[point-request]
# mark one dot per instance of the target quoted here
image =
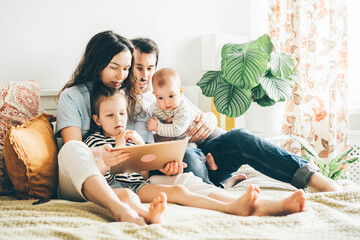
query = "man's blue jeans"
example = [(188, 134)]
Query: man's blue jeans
[(237, 147)]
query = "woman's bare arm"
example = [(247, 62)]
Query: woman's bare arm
[(71, 133)]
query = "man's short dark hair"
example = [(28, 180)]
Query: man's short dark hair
[(146, 45)]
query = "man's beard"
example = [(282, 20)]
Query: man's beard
[(146, 88)]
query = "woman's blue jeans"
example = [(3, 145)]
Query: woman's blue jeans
[(237, 147)]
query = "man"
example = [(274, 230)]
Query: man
[(234, 148), (146, 57)]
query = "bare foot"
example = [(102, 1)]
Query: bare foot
[(233, 180), (211, 162), (244, 205), (126, 214), (157, 207), (323, 184), (293, 204)]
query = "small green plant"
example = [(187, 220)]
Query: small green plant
[(335, 168)]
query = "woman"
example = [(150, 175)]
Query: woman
[(107, 58)]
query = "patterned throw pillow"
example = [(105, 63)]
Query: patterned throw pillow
[(19, 102)]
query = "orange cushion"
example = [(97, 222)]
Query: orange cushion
[(31, 158)]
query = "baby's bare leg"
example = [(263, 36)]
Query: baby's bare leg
[(292, 204), (231, 181), (211, 162)]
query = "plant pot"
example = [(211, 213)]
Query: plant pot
[(265, 120)]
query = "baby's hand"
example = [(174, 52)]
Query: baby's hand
[(152, 124), (170, 119)]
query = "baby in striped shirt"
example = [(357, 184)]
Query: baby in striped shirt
[(173, 114)]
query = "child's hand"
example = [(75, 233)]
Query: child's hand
[(120, 139), (134, 137), (113, 157), (173, 168), (152, 124)]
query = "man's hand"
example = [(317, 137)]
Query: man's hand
[(205, 125), (152, 124), (173, 168)]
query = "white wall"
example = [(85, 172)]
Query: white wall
[(45, 39)]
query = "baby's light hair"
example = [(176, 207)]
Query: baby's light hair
[(164, 76)]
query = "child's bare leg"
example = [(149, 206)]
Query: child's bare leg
[(292, 204), (224, 196), (242, 206), (96, 189), (151, 215)]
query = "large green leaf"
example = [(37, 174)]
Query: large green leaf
[(230, 100), (258, 92), (282, 65), (278, 89), (265, 43), (208, 83), (265, 101), (243, 64)]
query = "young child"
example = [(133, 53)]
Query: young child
[(110, 115)]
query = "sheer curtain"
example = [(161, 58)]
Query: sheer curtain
[(315, 33)]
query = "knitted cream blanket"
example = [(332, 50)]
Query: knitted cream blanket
[(328, 216)]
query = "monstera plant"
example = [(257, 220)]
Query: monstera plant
[(249, 72)]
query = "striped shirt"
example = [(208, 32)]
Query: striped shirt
[(97, 139), (183, 117)]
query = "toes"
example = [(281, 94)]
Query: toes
[(163, 197), (140, 221)]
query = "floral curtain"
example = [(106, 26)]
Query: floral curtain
[(315, 33)]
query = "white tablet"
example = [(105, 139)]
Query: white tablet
[(151, 156)]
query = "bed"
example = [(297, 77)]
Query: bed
[(333, 215), (327, 216)]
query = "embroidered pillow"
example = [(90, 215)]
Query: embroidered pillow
[(19, 102)]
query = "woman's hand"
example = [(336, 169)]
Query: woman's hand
[(205, 125), (173, 168)]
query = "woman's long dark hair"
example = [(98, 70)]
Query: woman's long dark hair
[(98, 53)]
